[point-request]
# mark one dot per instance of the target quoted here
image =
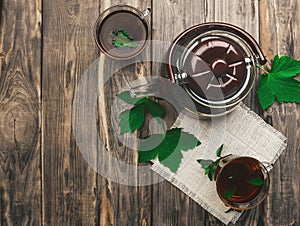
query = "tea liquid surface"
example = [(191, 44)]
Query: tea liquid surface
[(238, 177), (122, 20)]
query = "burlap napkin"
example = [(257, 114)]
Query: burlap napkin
[(243, 133)]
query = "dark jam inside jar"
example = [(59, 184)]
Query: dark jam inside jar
[(216, 69), (127, 21)]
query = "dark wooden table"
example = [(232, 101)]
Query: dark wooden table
[(45, 47)]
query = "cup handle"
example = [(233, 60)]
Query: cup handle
[(145, 13), (269, 166)]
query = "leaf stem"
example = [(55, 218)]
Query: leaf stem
[(261, 68)]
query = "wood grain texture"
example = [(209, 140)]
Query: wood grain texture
[(45, 48), (120, 204), (170, 18), (20, 172), (244, 14), (282, 19), (68, 50), (176, 14)]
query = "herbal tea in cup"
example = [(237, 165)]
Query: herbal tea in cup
[(242, 182), (121, 31)]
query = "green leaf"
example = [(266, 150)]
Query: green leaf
[(228, 193), (279, 83), (124, 33), (126, 96), (132, 119), (121, 43), (207, 170), (147, 148), (121, 39), (209, 165), (219, 151), (173, 161), (205, 163), (256, 181), (154, 108), (285, 66), (169, 148), (212, 170)]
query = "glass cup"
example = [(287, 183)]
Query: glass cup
[(242, 182), (121, 32)]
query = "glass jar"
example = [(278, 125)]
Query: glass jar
[(215, 63)]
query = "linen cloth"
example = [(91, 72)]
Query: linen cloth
[(242, 132)]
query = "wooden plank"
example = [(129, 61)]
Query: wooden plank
[(282, 18), (170, 18), (170, 205), (20, 172), (68, 50), (179, 15), (244, 14), (121, 204)]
